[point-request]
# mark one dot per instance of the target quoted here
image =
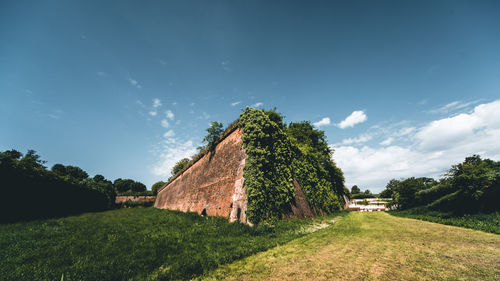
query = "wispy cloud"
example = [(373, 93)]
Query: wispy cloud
[(354, 118), (387, 141), (169, 114), (323, 122), (101, 74), (256, 105), (204, 115), (453, 106), (358, 140), (169, 134), (134, 83), (235, 103), (164, 123), (156, 102), (170, 151)]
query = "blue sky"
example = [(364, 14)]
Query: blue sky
[(126, 88)]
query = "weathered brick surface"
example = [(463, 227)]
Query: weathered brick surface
[(209, 185), (120, 199)]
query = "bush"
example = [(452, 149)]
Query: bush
[(33, 192)]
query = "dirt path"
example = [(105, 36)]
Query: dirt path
[(375, 246)]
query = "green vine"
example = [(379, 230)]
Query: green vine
[(275, 158)]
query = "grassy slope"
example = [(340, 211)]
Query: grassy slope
[(375, 246), (484, 222), (136, 244)]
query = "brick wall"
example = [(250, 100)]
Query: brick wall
[(213, 185)]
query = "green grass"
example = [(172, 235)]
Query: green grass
[(375, 246), (133, 244), (483, 222)]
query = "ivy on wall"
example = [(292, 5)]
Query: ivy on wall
[(276, 155)]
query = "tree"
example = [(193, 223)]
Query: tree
[(157, 186), (76, 173), (123, 185), (32, 161), (389, 188), (404, 193), (99, 178), (276, 117), (368, 192), (137, 187), (355, 190), (73, 172), (214, 132), (179, 166)]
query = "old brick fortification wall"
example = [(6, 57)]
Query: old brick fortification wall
[(213, 185), (139, 198)]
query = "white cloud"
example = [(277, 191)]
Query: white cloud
[(169, 134), (164, 123), (204, 115), (153, 113), (134, 83), (259, 104), (387, 141), (358, 140), (170, 152), (156, 103), (405, 131), (169, 114), (433, 148), (323, 122), (356, 117), (453, 106), (235, 103)]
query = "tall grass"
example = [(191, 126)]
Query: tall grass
[(132, 244), (483, 222)]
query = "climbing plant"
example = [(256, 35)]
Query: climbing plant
[(278, 154)]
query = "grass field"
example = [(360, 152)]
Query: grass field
[(134, 244), (375, 246), (484, 222)]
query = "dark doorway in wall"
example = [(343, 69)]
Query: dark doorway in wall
[(238, 215), (204, 212)]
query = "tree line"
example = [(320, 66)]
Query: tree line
[(33, 191), (472, 186)]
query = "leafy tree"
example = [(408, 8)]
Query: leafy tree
[(72, 172), (99, 178), (355, 190), (179, 166), (157, 186), (76, 173), (389, 188), (275, 117), (368, 192), (404, 192), (122, 185), (137, 187), (32, 161), (213, 133)]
